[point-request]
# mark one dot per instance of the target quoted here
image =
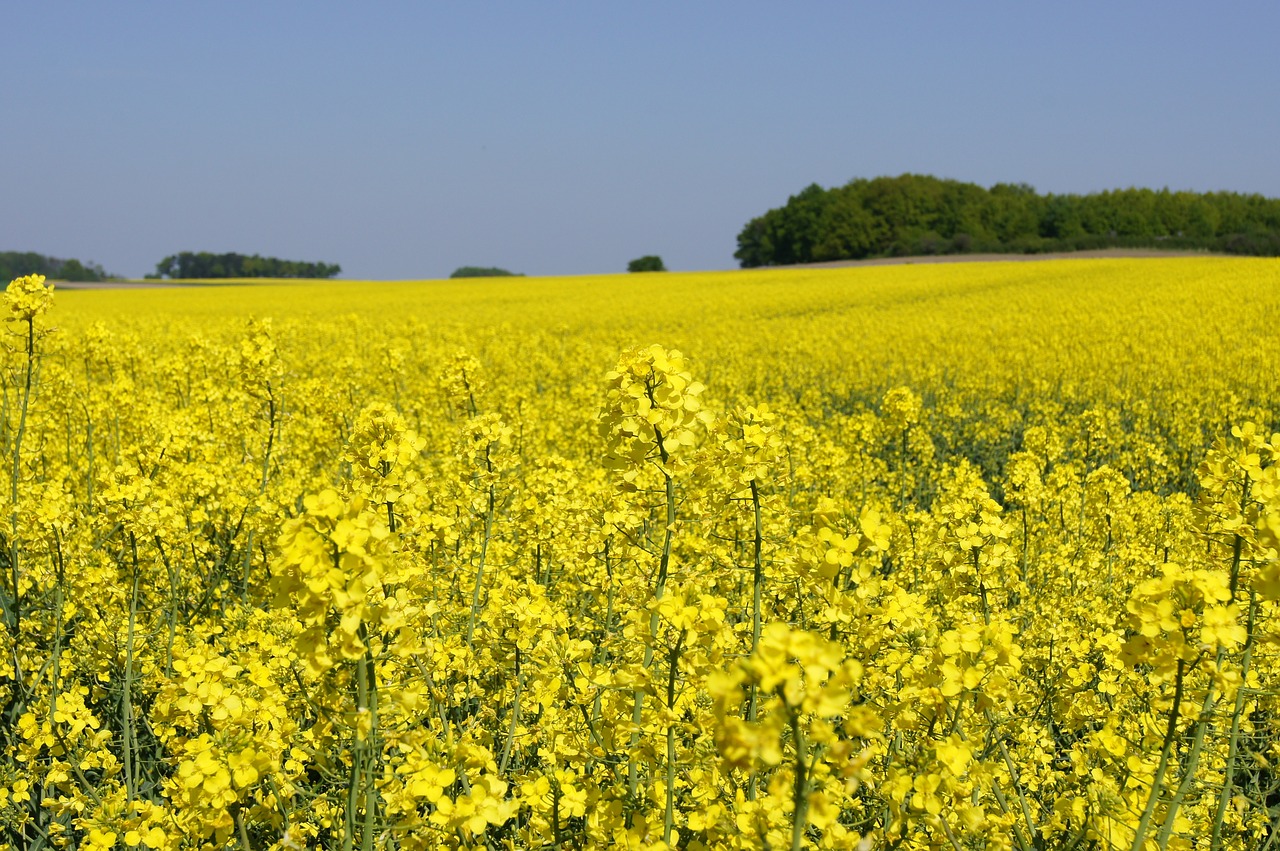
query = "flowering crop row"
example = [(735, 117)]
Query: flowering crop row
[(954, 557)]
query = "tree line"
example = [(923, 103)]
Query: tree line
[(484, 272), (16, 264), (188, 264), (920, 214)]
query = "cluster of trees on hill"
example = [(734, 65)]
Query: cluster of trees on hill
[(189, 264), (647, 263), (920, 214), (483, 272), (15, 264)]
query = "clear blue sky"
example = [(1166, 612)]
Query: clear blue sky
[(404, 139)]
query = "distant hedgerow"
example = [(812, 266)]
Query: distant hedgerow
[(483, 272), (187, 264)]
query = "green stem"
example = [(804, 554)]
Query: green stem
[(659, 589), (1171, 734), (60, 568), (349, 817), (757, 591), (373, 749), (1026, 547), (1021, 841), (800, 790), (247, 567), (949, 834), (668, 817), (757, 578), (243, 832), (1215, 841), (14, 611), (1003, 803), (88, 473), (1238, 544), (608, 620), (1192, 762), (1204, 721), (128, 739), (515, 720), (484, 551)]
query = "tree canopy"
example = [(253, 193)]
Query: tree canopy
[(187, 264), (920, 214), (647, 263), (483, 272), (15, 264)]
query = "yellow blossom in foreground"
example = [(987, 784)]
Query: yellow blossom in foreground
[(956, 556)]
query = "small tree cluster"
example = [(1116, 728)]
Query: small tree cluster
[(647, 263), (187, 264), (16, 264), (483, 272)]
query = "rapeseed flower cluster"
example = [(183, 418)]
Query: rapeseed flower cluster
[(953, 557)]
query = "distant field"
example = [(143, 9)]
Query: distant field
[(1106, 253), (917, 556)]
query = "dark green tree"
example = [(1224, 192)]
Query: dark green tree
[(15, 264), (647, 263), (920, 214), (187, 264), (483, 272)]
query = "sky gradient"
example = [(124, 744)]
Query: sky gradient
[(405, 139)]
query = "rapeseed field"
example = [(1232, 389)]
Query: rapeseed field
[(921, 557)]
